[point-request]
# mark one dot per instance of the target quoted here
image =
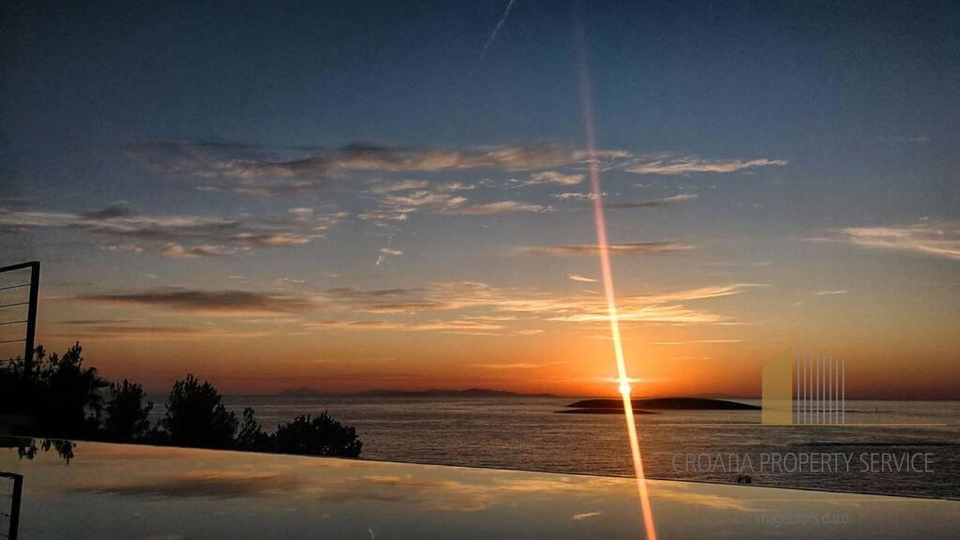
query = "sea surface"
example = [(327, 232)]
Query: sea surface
[(526, 433)]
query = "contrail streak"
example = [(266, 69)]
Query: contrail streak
[(587, 107), (493, 35)]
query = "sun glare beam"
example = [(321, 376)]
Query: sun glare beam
[(607, 274)]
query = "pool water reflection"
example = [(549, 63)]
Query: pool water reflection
[(143, 492)]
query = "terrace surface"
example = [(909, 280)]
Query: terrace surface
[(152, 493)]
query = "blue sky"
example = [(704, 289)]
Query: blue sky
[(316, 155)]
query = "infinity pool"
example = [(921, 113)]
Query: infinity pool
[(111, 491)]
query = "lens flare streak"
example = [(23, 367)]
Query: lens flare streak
[(623, 379)]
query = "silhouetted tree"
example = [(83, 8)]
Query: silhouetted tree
[(251, 435), (73, 403), (65, 400), (317, 436), (16, 395), (62, 395), (196, 416), (127, 417)]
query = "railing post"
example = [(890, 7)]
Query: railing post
[(31, 320), (15, 497)]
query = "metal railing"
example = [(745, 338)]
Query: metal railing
[(12, 513), (30, 322)]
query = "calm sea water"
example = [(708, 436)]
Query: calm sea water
[(526, 433)]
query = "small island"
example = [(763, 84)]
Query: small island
[(643, 406)]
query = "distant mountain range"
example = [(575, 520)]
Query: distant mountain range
[(431, 393)]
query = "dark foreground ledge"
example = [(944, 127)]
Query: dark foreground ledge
[(111, 491)]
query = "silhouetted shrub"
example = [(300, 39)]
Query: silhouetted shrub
[(317, 436), (73, 403), (196, 417), (251, 435), (62, 395), (16, 392), (127, 416), (65, 399)]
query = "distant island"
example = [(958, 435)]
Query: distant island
[(301, 392), (642, 406), (431, 393)]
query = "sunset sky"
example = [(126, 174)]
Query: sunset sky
[(349, 195)]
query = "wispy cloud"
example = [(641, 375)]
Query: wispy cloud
[(380, 188), (384, 301), (120, 222), (649, 203), (509, 366), (398, 203), (424, 199), (87, 322), (518, 365), (698, 341), (578, 250), (178, 235), (701, 293), (271, 239), (266, 187), (550, 177), (652, 203), (384, 215), (931, 239), (130, 248), (402, 185), (193, 252), (578, 277), (498, 306), (448, 326), (459, 307), (831, 293), (496, 208), (251, 162), (201, 301), (693, 164), (654, 313), (261, 170), (120, 332), (574, 196), (456, 186)]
